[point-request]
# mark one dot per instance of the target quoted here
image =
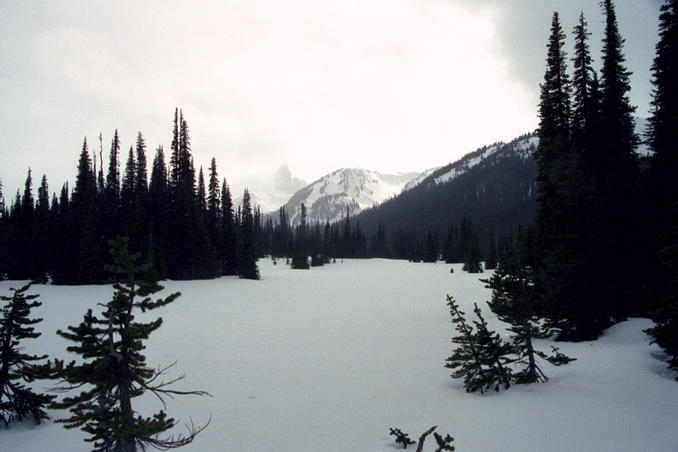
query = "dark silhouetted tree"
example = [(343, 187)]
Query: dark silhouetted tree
[(18, 401), (247, 245), (113, 371)]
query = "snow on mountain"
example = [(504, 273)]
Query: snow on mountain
[(523, 146), (352, 188), (420, 178), (265, 202)]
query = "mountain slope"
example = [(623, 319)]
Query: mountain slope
[(494, 187), (354, 189)]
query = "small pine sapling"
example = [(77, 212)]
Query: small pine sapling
[(401, 437), (514, 301), (16, 368), (114, 370), (495, 354), (481, 357), (444, 443), (466, 358)]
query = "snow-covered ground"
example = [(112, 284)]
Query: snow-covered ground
[(329, 359)]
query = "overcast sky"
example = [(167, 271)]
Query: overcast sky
[(389, 85)]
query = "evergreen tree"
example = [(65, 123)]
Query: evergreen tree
[(127, 194), (213, 201), (141, 177), (665, 314), (663, 139), (62, 262), (481, 357), (159, 205), (431, 251), (514, 301), (22, 245), (2, 202), (112, 189), (113, 371), (329, 249), (190, 255), (567, 214), (4, 243), (347, 242), (300, 253), (450, 253), (202, 196), (43, 233), (28, 202), (316, 246), (247, 262), (586, 102), (617, 174), (472, 262), (84, 192), (229, 240), (18, 402)]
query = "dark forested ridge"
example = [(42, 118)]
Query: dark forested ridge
[(494, 188)]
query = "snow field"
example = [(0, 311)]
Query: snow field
[(329, 359)]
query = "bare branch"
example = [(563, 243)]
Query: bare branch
[(422, 438), (174, 442)]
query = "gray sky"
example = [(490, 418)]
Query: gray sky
[(389, 85)]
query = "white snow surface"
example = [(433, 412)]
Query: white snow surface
[(328, 359)]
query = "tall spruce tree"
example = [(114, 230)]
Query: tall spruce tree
[(159, 205), (127, 194), (617, 174), (112, 189), (247, 262), (43, 242), (201, 195), (567, 220), (228, 253), (113, 370), (662, 137), (17, 401), (481, 357), (213, 202), (141, 177), (300, 252)]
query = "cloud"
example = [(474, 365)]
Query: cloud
[(283, 182), (392, 85)]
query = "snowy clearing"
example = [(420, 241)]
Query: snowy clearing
[(329, 359)]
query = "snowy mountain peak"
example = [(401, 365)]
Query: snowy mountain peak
[(327, 198)]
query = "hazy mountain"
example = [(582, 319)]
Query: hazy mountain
[(354, 188), (275, 191)]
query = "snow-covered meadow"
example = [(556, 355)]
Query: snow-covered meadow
[(329, 359)]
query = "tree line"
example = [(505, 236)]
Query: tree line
[(605, 242), (601, 220), (184, 226)]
